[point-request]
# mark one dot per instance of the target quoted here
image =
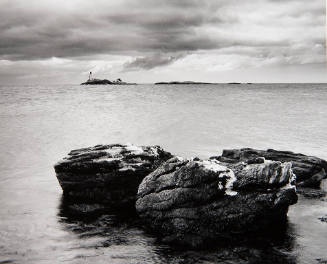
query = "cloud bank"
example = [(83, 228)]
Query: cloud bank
[(148, 34)]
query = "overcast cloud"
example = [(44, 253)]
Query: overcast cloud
[(121, 37)]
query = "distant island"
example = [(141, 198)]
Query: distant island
[(105, 81), (93, 81), (185, 82), (190, 82), (238, 83)]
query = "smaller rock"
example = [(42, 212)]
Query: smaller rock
[(321, 261), (311, 193), (314, 180), (106, 174), (309, 170), (323, 219)]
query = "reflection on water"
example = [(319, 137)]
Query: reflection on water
[(118, 234)]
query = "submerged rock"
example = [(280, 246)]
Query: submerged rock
[(309, 170), (311, 193), (196, 202), (106, 174)]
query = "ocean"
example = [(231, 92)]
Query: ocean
[(40, 124)]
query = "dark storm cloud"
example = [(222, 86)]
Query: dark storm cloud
[(156, 33), (35, 32), (153, 61)]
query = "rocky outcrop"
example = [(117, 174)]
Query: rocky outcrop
[(105, 82), (323, 219), (96, 81), (106, 176), (196, 202), (310, 171)]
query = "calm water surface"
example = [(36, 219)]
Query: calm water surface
[(41, 124)]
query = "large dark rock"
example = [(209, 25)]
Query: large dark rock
[(194, 203), (310, 171), (106, 176)]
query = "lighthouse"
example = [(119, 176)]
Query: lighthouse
[(90, 76)]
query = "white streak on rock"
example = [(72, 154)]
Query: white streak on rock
[(230, 177), (154, 151), (292, 178), (114, 151), (224, 172), (134, 149), (213, 165)]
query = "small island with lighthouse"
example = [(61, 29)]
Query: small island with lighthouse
[(94, 81)]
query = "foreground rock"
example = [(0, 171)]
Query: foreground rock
[(194, 203), (106, 176), (310, 171)]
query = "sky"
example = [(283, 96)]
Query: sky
[(145, 41)]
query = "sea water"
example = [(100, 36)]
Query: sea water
[(39, 124)]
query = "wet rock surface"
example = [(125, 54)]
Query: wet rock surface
[(309, 170), (323, 219), (311, 193), (106, 175), (195, 203)]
